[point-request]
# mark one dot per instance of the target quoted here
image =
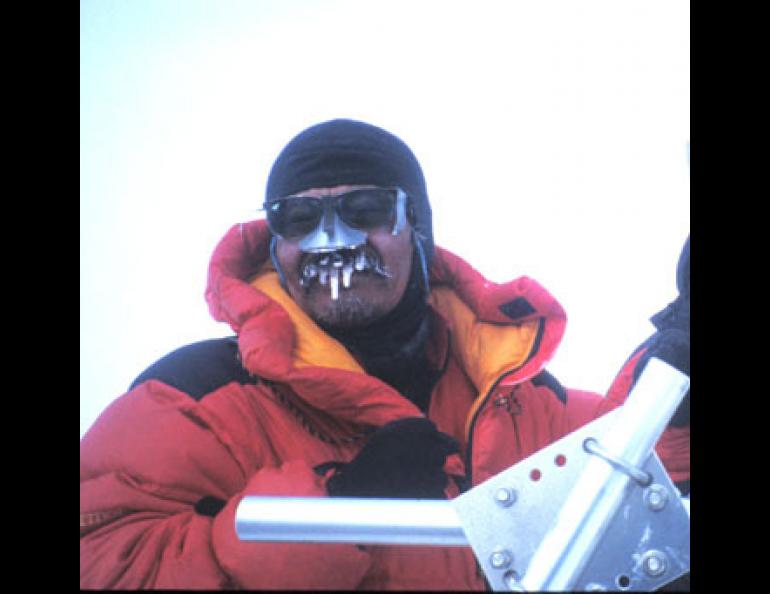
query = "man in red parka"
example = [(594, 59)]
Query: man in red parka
[(366, 362)]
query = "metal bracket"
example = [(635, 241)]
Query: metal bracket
[(506, 518), (592, 446)]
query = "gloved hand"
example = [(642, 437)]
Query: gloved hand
[(402, 459), (671, 345)]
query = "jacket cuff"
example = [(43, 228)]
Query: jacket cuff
[(279, 565)]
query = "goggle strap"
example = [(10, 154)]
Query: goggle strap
[(423, 261), (276, 264), (400, 223)]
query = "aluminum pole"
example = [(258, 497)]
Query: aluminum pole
[(342, 519)]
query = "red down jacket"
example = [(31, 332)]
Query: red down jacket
[(157, 451)]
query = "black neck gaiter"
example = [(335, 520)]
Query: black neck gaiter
[(393, 348)]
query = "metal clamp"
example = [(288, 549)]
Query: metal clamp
[(592, 446)]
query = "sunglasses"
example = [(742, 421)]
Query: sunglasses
[(294, 217)]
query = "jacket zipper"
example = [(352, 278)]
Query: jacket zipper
[(469, 451), (472, 427)]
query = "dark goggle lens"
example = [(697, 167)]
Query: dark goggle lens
[(295, 217), (367, 209)]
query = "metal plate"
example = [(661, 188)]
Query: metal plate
[(504, 536), (638, 532)]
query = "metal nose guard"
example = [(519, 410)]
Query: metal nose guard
[(333, 234)]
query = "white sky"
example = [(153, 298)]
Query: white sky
[(553, 136)]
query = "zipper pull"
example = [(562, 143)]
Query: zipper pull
[(509, 402), (502, 401)]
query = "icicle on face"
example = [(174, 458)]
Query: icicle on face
[(334, 283), (347, 273), (339, 267)]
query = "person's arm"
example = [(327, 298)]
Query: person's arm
[(160, 481)]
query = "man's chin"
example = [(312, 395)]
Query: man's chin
[(348, 311), (352, 309)]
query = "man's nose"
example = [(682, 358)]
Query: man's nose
[(328, 219)]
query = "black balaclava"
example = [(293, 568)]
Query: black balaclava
[(344, 151)]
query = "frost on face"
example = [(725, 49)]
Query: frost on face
[(337, 268)]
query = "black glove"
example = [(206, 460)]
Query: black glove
[(402, 459), (672, 346)]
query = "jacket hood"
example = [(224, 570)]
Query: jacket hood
[(279, 342)]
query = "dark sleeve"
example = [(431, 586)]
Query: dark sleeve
[(199, 368), (672, 346)]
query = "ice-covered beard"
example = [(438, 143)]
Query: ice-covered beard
[(336, 271)]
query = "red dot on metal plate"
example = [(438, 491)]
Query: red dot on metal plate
[(535, 475), (560, 460)]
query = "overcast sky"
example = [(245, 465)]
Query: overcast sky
[(553, 136)]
